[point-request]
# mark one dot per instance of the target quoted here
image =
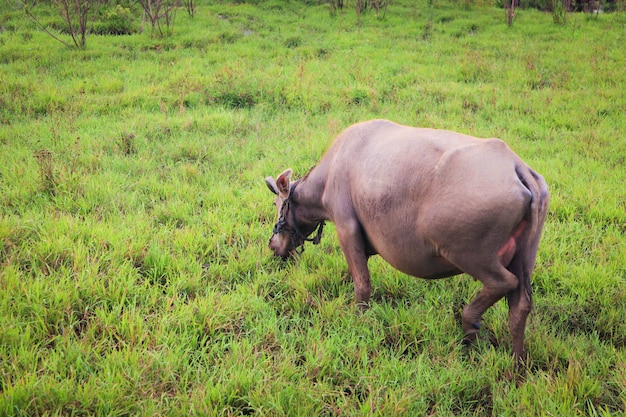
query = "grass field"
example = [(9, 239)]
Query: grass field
[(135, 276)]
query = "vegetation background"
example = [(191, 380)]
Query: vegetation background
[(135, 277)]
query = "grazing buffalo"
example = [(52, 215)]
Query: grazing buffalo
[(432, 203)]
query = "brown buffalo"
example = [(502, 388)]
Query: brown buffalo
[(432, 203)]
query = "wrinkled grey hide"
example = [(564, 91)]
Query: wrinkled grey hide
[(432, 203)]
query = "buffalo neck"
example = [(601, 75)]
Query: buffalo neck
[(308, 195)]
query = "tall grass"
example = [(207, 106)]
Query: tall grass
[(135, 277)]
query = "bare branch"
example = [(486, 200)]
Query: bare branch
[(45, 29)]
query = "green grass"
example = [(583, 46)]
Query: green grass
[(135, 277)]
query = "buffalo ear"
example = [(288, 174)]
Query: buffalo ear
[(271, 184), (282, 183)]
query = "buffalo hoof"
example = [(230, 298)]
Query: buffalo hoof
[(468, 340), (470, 334), (363, 306)]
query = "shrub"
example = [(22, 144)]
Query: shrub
[(116, 20)]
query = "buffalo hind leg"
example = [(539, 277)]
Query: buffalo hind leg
[(495, 286), (520, 302), (519, 308)]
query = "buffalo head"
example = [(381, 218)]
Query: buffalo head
[(290, 231)]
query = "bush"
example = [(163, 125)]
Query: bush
[(116, 20)]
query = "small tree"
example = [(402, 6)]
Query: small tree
[(160, 10), (190, 6), (591, 7), (334, 5), (559, 11), (509, 9), (75, 14)]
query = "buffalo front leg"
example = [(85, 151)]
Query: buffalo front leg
[(353, 247)]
